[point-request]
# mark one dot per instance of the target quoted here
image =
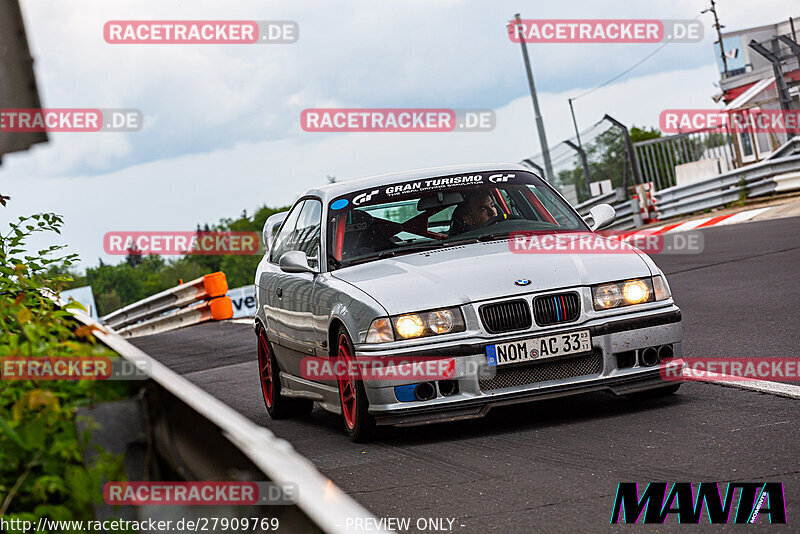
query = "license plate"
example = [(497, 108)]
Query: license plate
[(539, 348)]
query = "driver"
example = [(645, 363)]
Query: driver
[(477, 209)]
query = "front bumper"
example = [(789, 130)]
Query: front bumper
[(609, 369)]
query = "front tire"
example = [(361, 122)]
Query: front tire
[(358, 424), (278, 406)]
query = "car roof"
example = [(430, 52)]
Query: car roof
[(331, 191)]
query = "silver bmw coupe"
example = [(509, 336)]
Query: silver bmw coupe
[(416, 297)]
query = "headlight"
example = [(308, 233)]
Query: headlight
[(441, 321), (636, 292), (627, 293), (413, 325), (607, 296), (429, 323), (410, 326)]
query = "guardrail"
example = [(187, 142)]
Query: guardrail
[(625, 219), (606, 198), (202, 439), (777, 173), (766, 177), (175, 307), (786, 149)]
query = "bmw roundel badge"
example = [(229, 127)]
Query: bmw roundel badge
[(523, 282)]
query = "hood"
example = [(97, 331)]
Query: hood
[(481, 271)]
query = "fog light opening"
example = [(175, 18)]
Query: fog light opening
[(626, 359)]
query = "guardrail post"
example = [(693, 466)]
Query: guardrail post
[(637, 212)]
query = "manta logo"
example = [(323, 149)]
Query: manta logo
[(687, 500), (364, 197), (523, 282)]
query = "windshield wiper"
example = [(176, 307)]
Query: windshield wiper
[(459, 242), (409, 249), (492, 237)]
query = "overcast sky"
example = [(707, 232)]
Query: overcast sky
[(222, 130)]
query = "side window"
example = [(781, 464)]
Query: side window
[(562, 217), (283, 241), (307, 233)]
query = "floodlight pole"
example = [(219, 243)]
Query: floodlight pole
[(537, 114)]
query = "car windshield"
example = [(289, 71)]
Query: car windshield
[(407, 217)]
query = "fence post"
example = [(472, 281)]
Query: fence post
[(637, 176)]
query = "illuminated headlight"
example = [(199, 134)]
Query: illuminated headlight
[(627, 293), (429, 323), (635, 292), (410, 325)]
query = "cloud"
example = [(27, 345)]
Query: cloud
[(222, 122), (358, 53), (177, 193)]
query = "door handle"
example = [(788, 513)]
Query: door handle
[(279, 292)]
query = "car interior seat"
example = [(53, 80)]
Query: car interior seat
[(362, 236)]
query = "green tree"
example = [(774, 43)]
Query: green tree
[(607, 160)]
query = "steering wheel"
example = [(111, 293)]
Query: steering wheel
[(500, 218)]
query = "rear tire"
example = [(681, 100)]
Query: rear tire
[(654, 393), (278, 406), (358, 423)]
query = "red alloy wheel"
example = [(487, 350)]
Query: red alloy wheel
[(265, 368), (347, 385)]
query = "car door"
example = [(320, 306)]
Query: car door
[(298, 289), (270, 297)]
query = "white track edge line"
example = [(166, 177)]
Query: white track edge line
[(762, 386)]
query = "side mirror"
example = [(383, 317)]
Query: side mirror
[(602, 215), (295, 261), (273, 222)]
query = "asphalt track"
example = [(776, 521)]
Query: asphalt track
[(554, 466)]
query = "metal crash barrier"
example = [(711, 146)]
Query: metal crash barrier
[(195, 302), (778, 173), (184, 433)]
